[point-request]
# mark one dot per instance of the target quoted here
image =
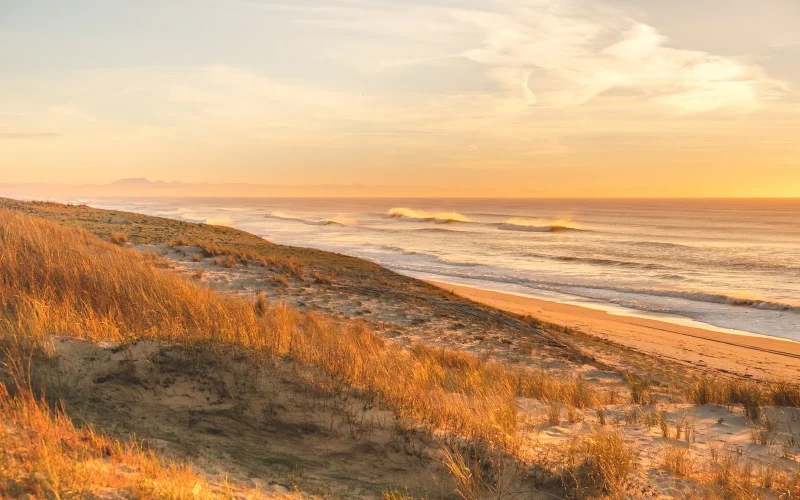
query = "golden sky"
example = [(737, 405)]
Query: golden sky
[(514, 98)]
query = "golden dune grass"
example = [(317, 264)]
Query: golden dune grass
[(750, 395), (598, 465), (58, 281)]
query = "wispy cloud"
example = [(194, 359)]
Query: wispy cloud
[(555, 53), (561, 53)]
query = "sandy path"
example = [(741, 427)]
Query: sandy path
[(757, 357)]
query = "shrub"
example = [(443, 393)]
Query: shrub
[(118, 238)]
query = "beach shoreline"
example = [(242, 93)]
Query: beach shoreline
[(754, 356)]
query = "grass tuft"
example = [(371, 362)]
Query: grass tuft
[(118, 238), (600, 465)]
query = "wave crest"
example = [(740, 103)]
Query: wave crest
[(538, 225), (338, 220), (423, 216)]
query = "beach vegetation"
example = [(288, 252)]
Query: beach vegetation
[(118, 238), (751, 396), (598, 465), (66, 281), (678, 460)]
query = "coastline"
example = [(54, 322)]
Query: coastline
[(754, 356), (741, 354)]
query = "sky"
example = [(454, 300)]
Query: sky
[(515, 98)]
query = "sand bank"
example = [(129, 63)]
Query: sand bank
[(754, 356)]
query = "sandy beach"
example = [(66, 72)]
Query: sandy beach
[(751, 356)]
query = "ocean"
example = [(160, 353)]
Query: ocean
[(727, 265)]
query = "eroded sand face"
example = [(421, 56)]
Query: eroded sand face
[(271, 426)]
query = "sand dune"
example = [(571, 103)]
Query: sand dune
[(323, 412)]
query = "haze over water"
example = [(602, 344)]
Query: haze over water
[(730, 264)]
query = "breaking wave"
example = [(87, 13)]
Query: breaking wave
[(719, 298), (423, 216), (436, 230), (538, 225), (598, 261), (338, 220), (574, 288)]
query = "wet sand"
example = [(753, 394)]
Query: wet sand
[(758, 357)]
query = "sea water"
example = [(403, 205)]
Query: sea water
[(720, 264)]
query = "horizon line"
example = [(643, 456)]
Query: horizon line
[(2, 195)]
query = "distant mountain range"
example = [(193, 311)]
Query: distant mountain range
[(141, 187)]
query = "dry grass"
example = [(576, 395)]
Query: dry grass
[(783, 393), (218, 240), (394, 495), (476, 476), (295, 268), (678, 460), (684, 428), (640, 389), (118, 238), (750, 395), (554, 414), (321, 279), (230, 256), (601, 416), (663, 424), (280, 280), (598, 465), (571, 391), (180, 242), (58, 281), (763, 431), (43, 455), (67, 282), (731, 477)]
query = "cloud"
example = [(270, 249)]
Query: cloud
[(562, 53), (381, 83), (547, 53)]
